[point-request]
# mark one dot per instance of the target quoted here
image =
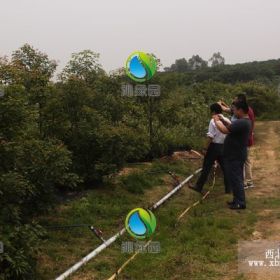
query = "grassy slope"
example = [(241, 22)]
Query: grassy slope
[(105, 208), (202, 246)]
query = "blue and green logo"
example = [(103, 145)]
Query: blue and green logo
[(141, 66), (140, 223)]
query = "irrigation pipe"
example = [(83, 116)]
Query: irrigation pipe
[(111, 240), (115, 275), (161, 201), (199, 201)]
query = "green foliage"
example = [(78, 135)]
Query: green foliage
[(14, 112), (264, 99), (83, 65), (29, 174), (28, 67), (32, 168), (16, 191), (137, 182), (217, 60), (20, 250), (182, 65)]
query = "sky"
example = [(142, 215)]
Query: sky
[(242, 30)]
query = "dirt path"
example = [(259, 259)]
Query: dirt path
[(267, 180), (266, 159), (266, 172)]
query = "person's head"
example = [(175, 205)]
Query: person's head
[(241, 97), (240, 109), (216, 109)]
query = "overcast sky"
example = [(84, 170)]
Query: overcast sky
[(242, 30)]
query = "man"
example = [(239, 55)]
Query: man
[(235, 151), (248, 163), (214, 151), (248, 178)]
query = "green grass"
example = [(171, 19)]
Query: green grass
[(137, 182), (145, 178), (202, 246), (199, 247), (105, 208)]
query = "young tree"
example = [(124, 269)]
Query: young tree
[(84, 66), (196, 62), (217, 59)]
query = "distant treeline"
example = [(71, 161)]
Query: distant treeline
[(196, 69), (72, 133)]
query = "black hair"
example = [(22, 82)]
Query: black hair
[(242, 105), (241, 97), (216, 108)]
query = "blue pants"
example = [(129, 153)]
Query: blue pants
[(234, 171)]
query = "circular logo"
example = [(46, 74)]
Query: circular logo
[(141, 66), (140, 223)]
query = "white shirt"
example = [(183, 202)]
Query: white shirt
[(214, 133)]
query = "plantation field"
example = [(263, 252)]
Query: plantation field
[(202, 246)]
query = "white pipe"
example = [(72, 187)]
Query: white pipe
[(157, 204), (111, 240), (91, 255)]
